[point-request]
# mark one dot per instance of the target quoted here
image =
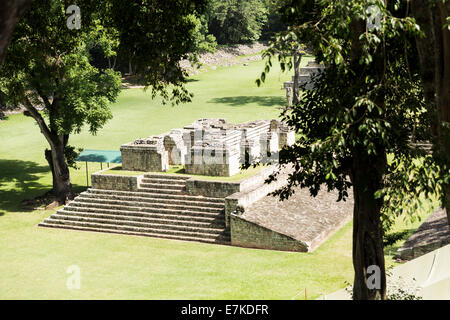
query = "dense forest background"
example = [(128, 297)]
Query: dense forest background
[(223, 23)]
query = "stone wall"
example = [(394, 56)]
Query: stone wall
[(144, 158), (250, 235), (223, 189), (115, 182), (225, 169), (216, 189)]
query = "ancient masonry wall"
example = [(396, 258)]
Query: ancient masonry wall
[(115, 182), (250, 235), (144, 158), (210, 147)]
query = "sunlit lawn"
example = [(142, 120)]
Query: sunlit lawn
[(34, 260)]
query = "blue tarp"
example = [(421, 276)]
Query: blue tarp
[(105, 156)]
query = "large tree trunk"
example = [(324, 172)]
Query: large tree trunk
[(367, 176), (49, 158), (62, 187), (434, 54), (368, 254)]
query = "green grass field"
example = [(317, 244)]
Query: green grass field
[(34, 260)]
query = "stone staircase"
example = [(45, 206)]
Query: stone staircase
[(159, 208)]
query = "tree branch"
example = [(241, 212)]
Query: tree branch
[(10, 13), (34, 113)]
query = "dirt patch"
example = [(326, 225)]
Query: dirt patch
[(44, 202)]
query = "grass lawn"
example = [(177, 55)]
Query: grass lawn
[(35, 260)]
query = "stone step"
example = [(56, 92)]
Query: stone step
[(162, 191), (156, 195), (162, 225), (118, 204), (217, 240), (144, 216), (109, 224), (133, 210), (166, 176), (163, 181), (188, 203), (162, 186)]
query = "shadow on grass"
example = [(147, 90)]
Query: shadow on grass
[(20, 177), (265, 101)]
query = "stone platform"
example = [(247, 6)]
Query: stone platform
[(434, 233), (300, 223)]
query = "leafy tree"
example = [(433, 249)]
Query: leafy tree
[(355, 128), (156, 35), (275, 21), (433, 18), (204, 42), (48, 69), (237, 21)]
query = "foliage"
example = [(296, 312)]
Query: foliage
[(382, 107), (392, 238), (275, 22), (48, 68), (156, 35), (204, 42), (47, 65), (237, 21)]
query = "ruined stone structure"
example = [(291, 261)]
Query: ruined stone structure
[(210, 147), (187, 207), (312, 68)]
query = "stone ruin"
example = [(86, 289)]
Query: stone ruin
[(210, 147), (312, 68)]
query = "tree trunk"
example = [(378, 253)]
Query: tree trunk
[(434, 54), (368, 253), (48, 157), (62, 188), (367, 176), (296, 90)]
